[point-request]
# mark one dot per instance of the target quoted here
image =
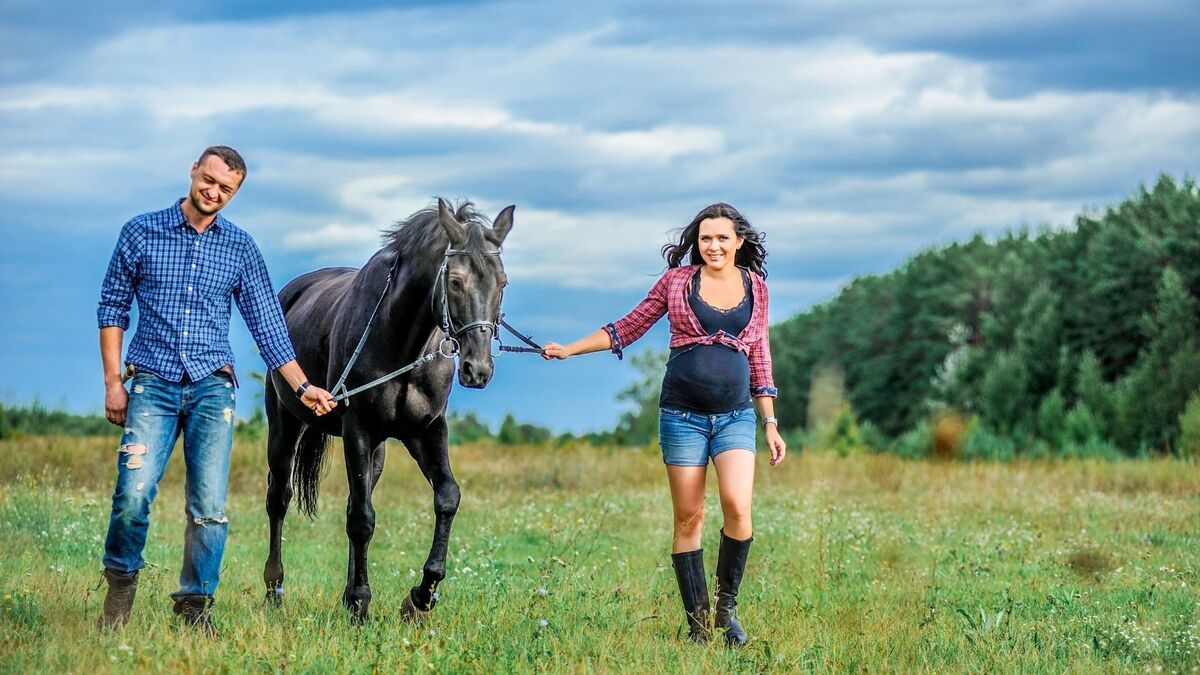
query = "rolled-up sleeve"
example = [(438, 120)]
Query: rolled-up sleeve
[(260, 308), (762, 381), (626, 330), (116, 292)]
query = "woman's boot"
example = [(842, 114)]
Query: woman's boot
[(693, 588), (731, 562)]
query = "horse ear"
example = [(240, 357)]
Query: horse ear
[(454, 229), (503, 223)]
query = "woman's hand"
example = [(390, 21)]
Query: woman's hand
[(775, 444), (553, 350)]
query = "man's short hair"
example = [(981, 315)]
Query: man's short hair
[(230, 156)]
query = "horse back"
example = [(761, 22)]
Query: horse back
[(322, 282)]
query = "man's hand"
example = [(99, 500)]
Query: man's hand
[(318, 400), (116, 403)]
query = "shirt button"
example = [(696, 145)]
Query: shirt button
[(189, 289), (187, 311), (185, 333), (193, 265), (183, 354)]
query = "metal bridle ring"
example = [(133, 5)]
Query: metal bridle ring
[(454, 347)]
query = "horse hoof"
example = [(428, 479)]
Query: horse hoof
[(358, 607), (410, 612), (274, 597), (359, 611)]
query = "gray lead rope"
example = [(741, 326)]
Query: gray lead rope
[(341, 383), (378, 381)]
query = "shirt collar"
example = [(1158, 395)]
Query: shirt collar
[(181, 220)]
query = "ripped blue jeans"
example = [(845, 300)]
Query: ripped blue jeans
[(158, 412)]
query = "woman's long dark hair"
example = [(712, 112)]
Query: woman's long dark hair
[(752, 255)]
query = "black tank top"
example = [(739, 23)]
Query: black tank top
[(710, 378)]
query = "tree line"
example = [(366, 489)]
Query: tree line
[(1075, 341)]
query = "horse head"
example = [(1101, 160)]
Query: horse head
[(471, 283)]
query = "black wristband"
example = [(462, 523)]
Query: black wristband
[(302, 388)]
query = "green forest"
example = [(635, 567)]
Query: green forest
[(1077, 341)]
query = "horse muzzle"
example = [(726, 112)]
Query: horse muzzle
[(475, 373)]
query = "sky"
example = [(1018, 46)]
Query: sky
[(852, 133)]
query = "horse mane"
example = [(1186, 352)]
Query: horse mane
[(416, 236)]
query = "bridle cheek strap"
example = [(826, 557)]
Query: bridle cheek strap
[(442, 281)]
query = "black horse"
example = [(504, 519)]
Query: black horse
[(442, 300)]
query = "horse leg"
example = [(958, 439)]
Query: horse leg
[(377, 459), (283, 430), (430, 452), (360, 521)]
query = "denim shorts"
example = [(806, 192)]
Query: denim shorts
[(691, 438)]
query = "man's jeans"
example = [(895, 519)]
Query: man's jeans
[(158, 411)]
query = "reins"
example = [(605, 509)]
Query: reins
[(449, 334)]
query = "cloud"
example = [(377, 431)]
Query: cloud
[(841, 147)]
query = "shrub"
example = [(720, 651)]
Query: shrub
[(1189, 429), (1081, 425), (916, 443), (872, 438), (982, 443), (1051, 418), (843, 436)]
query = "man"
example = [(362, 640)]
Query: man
[(183, 264)]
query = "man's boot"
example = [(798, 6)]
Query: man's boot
[(693, 588), (731, 562), (118, 600), (196, 611)]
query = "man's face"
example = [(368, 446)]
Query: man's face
[(213, 185)]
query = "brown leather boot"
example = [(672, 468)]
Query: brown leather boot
[(196, 611), (118, 600)]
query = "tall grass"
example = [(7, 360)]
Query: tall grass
[(560, 561)]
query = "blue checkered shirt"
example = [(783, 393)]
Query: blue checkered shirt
[(183, 282)]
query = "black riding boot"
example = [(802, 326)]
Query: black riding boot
[(196, 611), (118, 601), (693, 588), (731, 562)]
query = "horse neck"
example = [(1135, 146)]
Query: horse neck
[(407, 310)]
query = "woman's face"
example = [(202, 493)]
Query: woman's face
[(718, 243)]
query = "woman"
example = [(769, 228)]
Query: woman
[(720, 360)]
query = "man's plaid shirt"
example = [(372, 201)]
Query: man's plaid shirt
[(669, 296), (183, 282)]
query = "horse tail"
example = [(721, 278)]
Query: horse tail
[(310, 468)]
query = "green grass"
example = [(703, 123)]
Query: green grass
[(862, 563)]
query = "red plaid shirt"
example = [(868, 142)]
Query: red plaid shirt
[(669, 296)]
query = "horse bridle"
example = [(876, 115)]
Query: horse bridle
[(449, 334), (443, 280)]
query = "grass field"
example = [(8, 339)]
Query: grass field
[(560, 561)]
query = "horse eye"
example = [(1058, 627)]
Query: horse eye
[(456, 282)]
